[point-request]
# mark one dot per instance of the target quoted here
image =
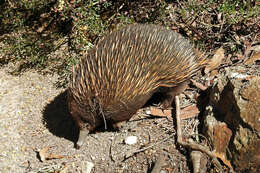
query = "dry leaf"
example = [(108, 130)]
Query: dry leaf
[(159, 112), (214, 73), (222, 157), (187, 112), (215, 61), (44, 153), (253, 58), (55, 156)]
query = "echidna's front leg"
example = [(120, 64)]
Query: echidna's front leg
[(172, 92), (193, 146)]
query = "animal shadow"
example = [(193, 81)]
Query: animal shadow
[(57, 119)]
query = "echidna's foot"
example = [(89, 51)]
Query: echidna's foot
[(166, 103), (170, 93), (82, 136)]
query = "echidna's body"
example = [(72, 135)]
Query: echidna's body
[(124, 69)]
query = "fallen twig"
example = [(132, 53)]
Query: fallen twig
[(158, 164), (130, 154)]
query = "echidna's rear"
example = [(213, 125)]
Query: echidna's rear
[(123, 70)]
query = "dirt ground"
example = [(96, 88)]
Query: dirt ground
[(34, 117)]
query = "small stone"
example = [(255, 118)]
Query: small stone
[(130, 140)]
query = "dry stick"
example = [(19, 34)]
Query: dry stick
[(198, 85), (158, 164), (128, 155), (190, 145)]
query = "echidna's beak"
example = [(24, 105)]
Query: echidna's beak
[(82, 136)]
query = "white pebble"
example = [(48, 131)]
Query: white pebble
[(130, 140), (148, 112)]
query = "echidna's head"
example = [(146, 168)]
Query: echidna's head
[(76, 110), (85, 111)]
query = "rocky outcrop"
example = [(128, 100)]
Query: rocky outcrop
[(232, 119)]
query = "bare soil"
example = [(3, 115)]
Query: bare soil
[(34, 115)]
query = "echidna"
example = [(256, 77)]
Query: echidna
[(122, 72)]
